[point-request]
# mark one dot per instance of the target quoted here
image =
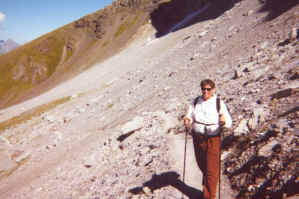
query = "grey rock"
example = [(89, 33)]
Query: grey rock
[(268, 148), (294, 34), (230, 75), (136, 123), (23, 156), (50, 118), (257, 117), (284, 93), (237, 74), (259, 72), (4, 142), (242, 128), (203, 33)]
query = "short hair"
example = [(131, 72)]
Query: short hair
[(207, 82)]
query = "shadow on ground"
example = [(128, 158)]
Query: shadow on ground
[(170, 178), (276, 7), (171, 13)]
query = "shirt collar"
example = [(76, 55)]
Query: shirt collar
[(209, 100)]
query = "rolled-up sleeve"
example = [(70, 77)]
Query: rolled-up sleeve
[(190, 113), (227, 117)]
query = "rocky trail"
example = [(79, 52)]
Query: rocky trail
[(120, 134)]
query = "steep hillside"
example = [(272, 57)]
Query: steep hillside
[(60, 55)]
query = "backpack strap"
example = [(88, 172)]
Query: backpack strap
[(196, 101), (218, 104)]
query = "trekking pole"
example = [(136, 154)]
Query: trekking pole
[(222, 129), (220, 164), (218, 107), (185, 150)]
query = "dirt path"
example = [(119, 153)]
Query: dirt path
[(193, 175)]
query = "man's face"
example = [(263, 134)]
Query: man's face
[(207, 92)]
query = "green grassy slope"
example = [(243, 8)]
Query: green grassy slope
[(50, 59)]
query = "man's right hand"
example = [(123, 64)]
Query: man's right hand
[(187, 123)]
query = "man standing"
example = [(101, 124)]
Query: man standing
[(206, 121)]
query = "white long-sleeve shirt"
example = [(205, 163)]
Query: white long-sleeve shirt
[(205, 114)]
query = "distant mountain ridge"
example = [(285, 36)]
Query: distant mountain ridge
[(8, 45)]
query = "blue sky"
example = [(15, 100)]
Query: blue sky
[(25, 20)]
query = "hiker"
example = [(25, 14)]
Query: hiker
[(205, 121)]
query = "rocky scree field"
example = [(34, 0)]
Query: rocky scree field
[(118, 141)]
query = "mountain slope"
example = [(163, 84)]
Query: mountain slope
[(57, 56), (62, 54)]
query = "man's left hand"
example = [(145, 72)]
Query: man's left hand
[(221, 120)]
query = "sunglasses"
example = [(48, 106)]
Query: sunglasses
[(206, 89)]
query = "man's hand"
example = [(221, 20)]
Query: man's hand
[(187, 123), (221, 120)]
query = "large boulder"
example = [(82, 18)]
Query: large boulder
[(242, 128), (133, 125), (257, 117)]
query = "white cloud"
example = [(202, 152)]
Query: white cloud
[(2, 17)]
